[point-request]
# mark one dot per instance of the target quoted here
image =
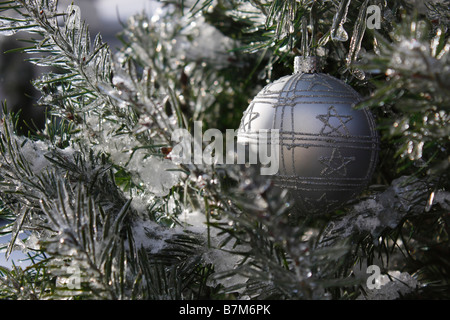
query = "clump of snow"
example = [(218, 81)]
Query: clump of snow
[(442, 198), (155, 238), (34, 152), (392, 286), (194, 220), (150, 235), (214, 252), (406, 195), (157, 175)]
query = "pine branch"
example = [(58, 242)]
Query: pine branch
[(134, 240), (76, 213), (415, 91), (280, 254), (96, 93)]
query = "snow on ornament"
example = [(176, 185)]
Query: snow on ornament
[(328, 149)]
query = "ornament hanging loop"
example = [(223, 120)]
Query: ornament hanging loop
[(308, 64)]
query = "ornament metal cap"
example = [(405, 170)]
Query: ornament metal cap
[(308, 64)]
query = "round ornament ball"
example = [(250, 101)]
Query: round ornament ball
[(327, 149)]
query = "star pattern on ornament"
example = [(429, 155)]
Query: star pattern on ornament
[(336, 164), (336, 129)]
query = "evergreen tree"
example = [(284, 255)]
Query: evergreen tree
[(108, 215)]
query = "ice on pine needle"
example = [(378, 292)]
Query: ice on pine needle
[(356, 40), (9, 27), (338, 32)]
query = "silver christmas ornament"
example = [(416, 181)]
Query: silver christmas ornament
[(327, 148)]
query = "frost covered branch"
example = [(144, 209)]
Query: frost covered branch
[(106, 214)]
